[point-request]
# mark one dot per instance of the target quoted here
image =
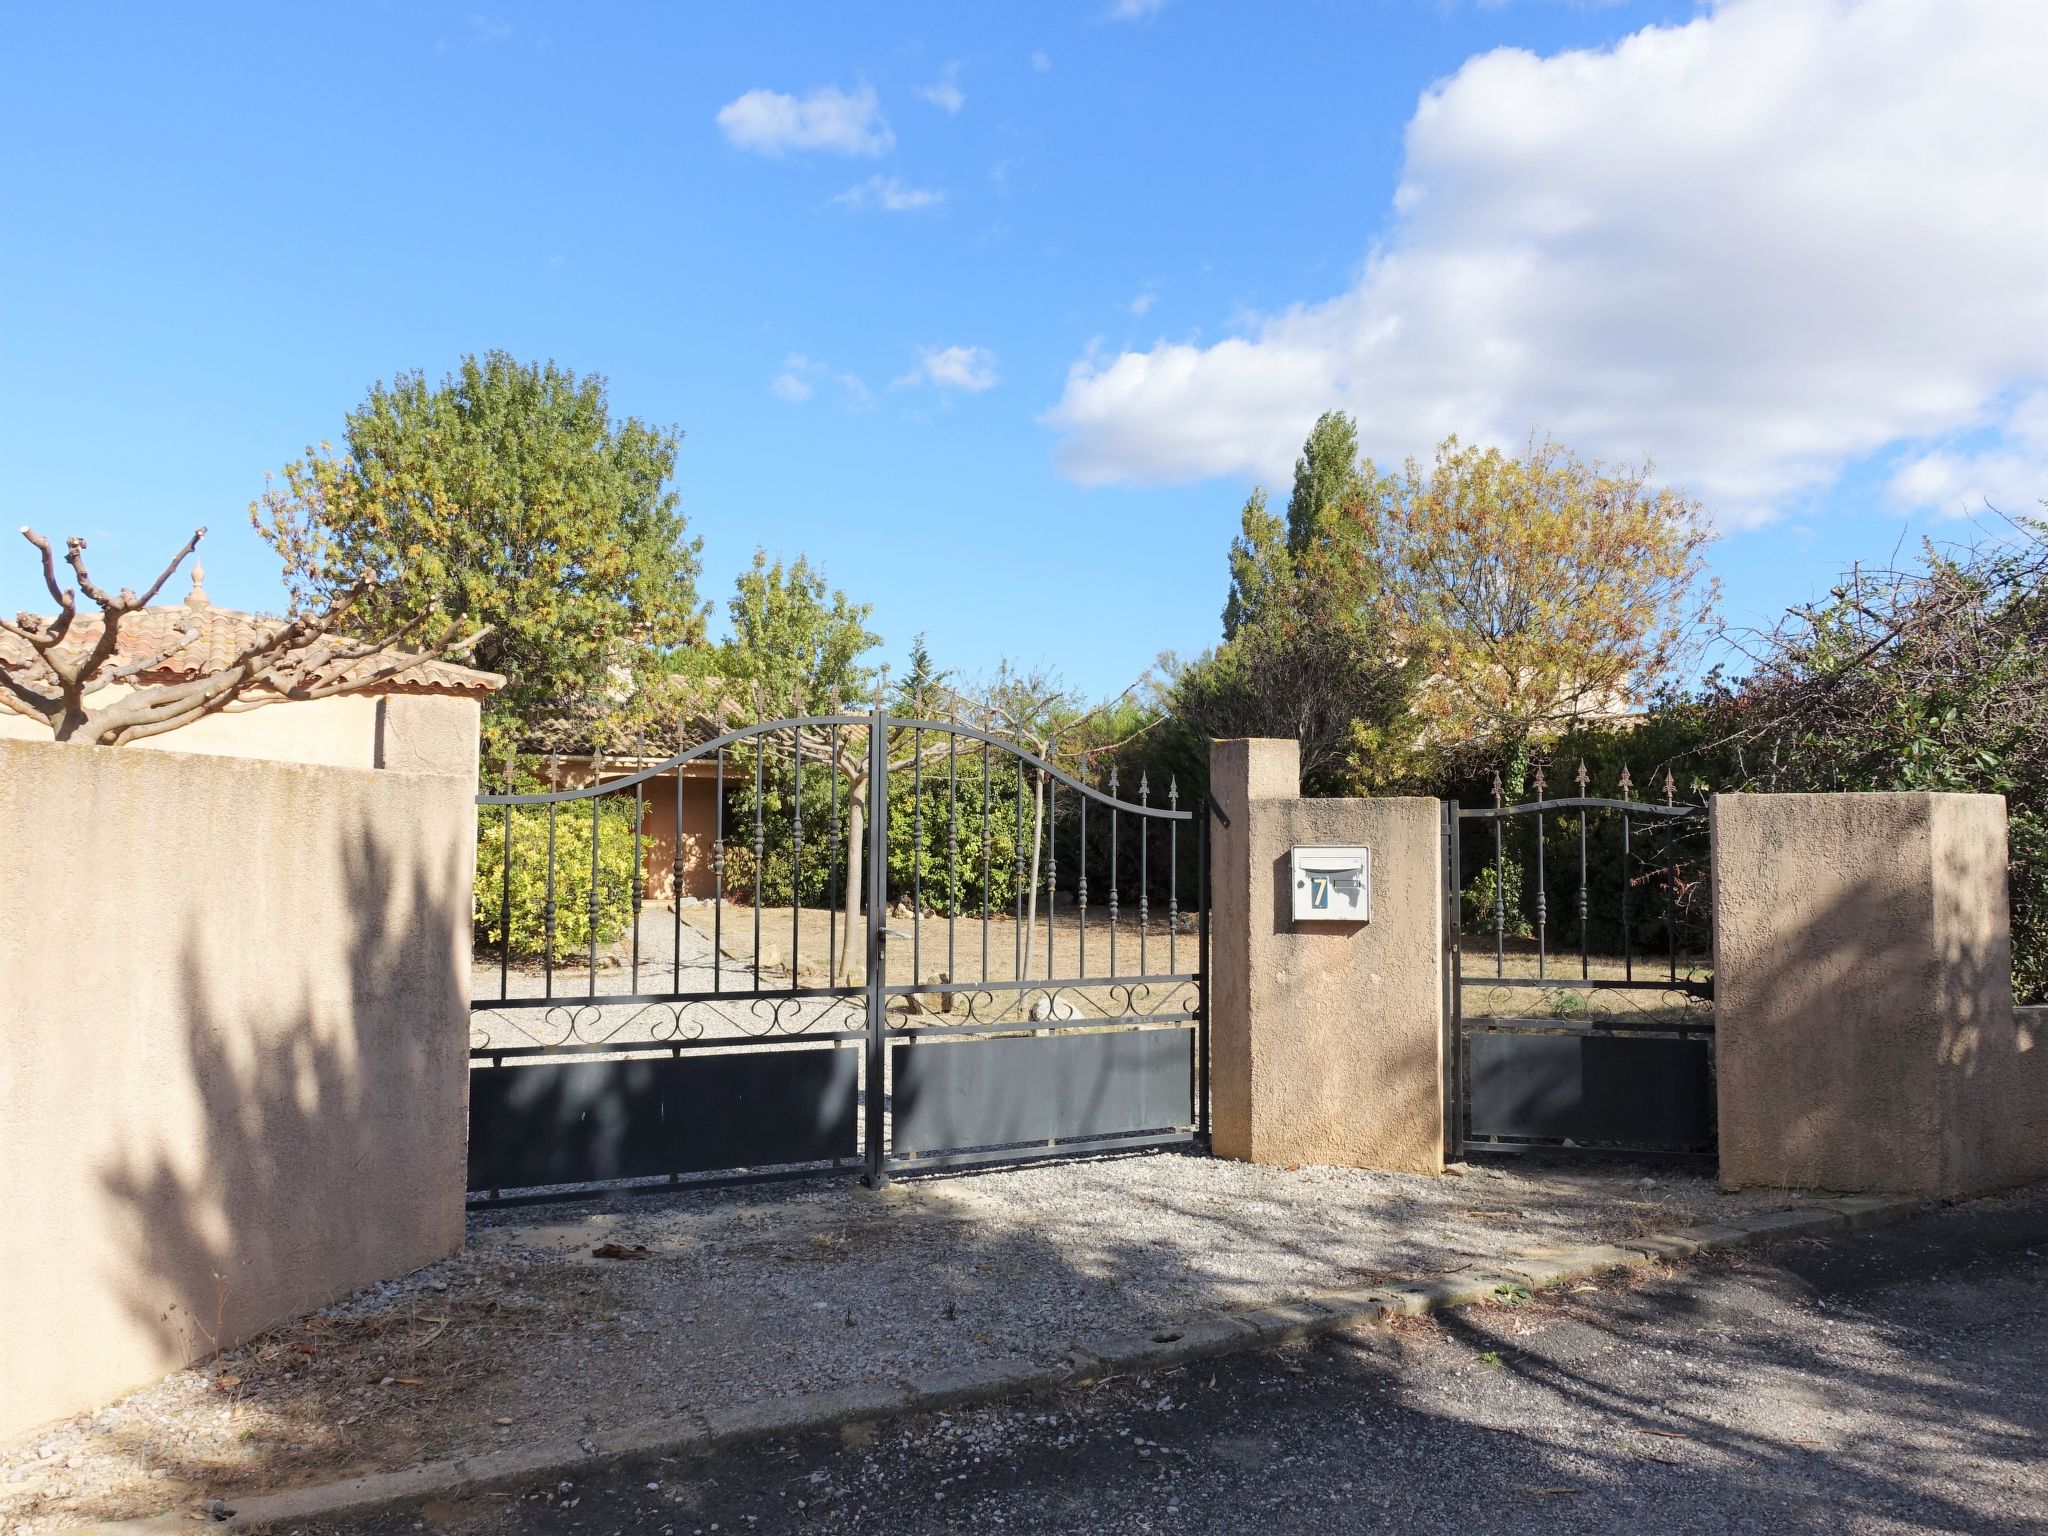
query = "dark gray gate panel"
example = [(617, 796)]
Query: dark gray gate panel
[(1634, 1091), (584, 1121), (991, 1093)]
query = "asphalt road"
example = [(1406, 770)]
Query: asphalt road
[(1894, 1380)]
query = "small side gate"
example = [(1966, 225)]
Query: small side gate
[(1606, 1044), (949, 952)]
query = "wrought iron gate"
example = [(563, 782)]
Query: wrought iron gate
[(1571, 1055), (956, 888)]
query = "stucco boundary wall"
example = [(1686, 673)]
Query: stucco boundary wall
[(233, 1075), (1866, 1038), (1326, 1039)]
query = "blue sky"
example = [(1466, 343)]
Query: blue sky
[(997, 312)]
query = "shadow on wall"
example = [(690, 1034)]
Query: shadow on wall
[(254, 1104), (329, 1149), (1866, 1035)]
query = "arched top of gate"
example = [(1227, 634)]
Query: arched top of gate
[(825, 722)]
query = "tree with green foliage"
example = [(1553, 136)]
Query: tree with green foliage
[(1328, 525), (1931, 677), (506, 495), (1329, 489), (1307, 651), (923, 693), (796, 639)]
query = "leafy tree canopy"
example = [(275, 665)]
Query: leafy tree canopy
[(795, 638), (1307, 651), (1538, 589), (506, 495)]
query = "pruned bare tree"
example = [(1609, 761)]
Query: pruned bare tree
[(62, 671)]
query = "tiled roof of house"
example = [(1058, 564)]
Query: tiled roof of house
[(222, 634), (590, 726)]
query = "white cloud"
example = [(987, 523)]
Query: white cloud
[(944, 92), (1135, 10), (889, 192), (2010, 475), (843, 122), (1041, 61), (972, 369), (1781, 237), (801, 376), (1143, 302)]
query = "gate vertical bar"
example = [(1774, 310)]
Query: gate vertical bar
[(1453, 983), (1201, 966), (592, 904), (878, 939), (639, 886), (505, 888), (675, 891), (796, 851)]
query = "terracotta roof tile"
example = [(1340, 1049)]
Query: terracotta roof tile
[(224, 634)]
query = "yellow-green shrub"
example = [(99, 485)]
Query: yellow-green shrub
[(615, 876)]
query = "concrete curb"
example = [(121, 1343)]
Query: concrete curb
[(1091, 1358)]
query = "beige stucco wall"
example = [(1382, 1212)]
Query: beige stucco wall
[(233, 1077), (1326, 1044), (340, 732), (1866, 1038), (413, 733), (426, 733)]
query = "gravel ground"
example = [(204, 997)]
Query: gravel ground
[(757, 1293), (1877, 1382)]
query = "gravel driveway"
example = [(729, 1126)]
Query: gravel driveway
[(1879, 1382), (749, 1294)]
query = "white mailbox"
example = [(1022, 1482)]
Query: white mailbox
[(1331, 885)]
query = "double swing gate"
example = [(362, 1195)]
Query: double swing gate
[(1602, 1043), (918, 945)]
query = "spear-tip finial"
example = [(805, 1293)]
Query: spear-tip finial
[(1539, 778), (1500, 794), (1628, 785), (1172, 790), (1582, 777), (1670, 787), (1145, 787)]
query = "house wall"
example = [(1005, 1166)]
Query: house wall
[(658, 829), (233, 1075)]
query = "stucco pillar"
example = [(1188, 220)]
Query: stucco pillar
[(1866, 1035), (1326, 1039)]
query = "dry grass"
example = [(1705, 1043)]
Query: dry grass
[(1568, 1000), (919, 950)]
